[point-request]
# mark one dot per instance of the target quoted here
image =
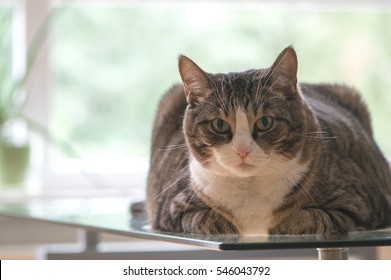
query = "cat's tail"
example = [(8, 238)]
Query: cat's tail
[(138, 210)]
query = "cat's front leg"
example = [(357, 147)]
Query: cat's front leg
[(315, 221), (192, 215)]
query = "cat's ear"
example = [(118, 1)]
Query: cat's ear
[(195, 81), (284, 70)]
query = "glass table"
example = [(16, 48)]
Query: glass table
[(113, 216)]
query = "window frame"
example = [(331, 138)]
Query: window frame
[(28, 17)]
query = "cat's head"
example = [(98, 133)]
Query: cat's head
[(237, 123)]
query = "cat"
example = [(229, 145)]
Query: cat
[(255, 152)]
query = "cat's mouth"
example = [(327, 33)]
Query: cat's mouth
[(244, 169), (245, 166)]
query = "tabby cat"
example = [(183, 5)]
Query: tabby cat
[(256, 153)]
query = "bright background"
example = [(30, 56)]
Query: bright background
[(105, 64), (111, 65)]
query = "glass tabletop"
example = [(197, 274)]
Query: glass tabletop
[(113, 216)]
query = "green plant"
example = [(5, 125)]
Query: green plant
[(14, 149), (13, 94)]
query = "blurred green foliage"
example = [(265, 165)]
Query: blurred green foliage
[(111, 65)]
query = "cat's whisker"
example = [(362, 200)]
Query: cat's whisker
[(315, 137), (193, 194), (176, 146), (282, 153), (257, 92), (185, 168), (277, 66), (271, 74), (258, 96), (264, 93), (264, 102), (281, 175), (268, 78), (304, 177), (320, 134), (314, 132), (173, 147), (220, 93), (185, 201), (214, 105), (179, 178), (304, 191)]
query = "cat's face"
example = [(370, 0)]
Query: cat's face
[(238, 124)]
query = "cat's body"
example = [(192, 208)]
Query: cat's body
[(255, 153)]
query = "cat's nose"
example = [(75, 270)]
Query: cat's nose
[(242, 152)]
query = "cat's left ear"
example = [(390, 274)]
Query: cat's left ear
[(284, 70), (195, 81)]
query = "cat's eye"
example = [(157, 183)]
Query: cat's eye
[(264, 123), (220, 126)]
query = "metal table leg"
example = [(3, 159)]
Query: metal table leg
[(333, 253), (89, 240)]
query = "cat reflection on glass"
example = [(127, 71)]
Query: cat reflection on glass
[(255, 152)]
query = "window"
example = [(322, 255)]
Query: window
[(5, 53), (108, 63)]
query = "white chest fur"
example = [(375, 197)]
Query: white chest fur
[(250, 200)]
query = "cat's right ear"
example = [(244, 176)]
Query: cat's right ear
[(195, 81)]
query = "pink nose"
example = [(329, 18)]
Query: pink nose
[(242, 152)]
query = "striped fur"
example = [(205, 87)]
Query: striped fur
[(289, 159)]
